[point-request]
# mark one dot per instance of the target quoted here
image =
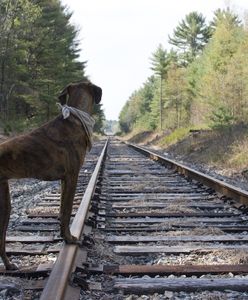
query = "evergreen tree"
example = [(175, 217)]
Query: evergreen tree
[(160, 62), (210, 88), (125, 118), (190, 36), (15, 29), (144, 98), (135, 114), (39, 55), (215, 72), (177, 99), (98, 115), (224, 15), (55, 53)]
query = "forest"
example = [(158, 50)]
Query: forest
[(201, 81), (39, 55)]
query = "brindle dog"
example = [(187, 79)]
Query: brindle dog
[(55, 151)]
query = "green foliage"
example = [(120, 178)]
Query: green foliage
[(221, 70), (204, 83), (127, 118), (221, 117), (111, 127), (174, 136), (138, 109), (224, 16), (15, 29), (160, 61), (39, 55), (177, 98), (190, 36), (98, 115)]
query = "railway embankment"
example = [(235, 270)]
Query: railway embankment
[(222, 153)]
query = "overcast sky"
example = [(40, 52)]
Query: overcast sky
[(118, 38)]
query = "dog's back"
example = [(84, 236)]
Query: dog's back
[(44, 152)]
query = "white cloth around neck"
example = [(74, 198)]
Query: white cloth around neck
[(86, 120)]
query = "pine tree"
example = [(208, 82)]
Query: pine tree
[(98, 115), (190, 36), (54, 55), (224, 15), (219, 68), (160, 62), (39, 55), (14, 37)]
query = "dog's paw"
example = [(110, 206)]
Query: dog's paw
[(11, 267), (71, 239)]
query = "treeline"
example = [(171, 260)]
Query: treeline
[(202, 80), (39, 55)]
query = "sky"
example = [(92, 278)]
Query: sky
[(117, 39)]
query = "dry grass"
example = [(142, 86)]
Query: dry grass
[(232, 256), (167, 209), (214, 257), (225, 150), (207, 231), (239, 155), (43, 210), (196, 231), (141, 137), (179, 209), (103, 253)]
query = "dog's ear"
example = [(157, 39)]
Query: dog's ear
[(97, 93), (63, 95)]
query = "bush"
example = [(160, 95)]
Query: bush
[(221, 118)]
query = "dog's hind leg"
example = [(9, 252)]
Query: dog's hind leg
[(5, 207), (68, 188)]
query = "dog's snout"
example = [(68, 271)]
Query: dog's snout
[(97, 91)]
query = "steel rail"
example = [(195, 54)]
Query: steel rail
[(223, 188), (57, 284)]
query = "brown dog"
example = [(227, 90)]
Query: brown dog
[(52, 152)]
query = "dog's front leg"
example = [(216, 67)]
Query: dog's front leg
[(68, 188), (5, 207)]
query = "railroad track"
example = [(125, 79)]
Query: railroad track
[(151, 232)]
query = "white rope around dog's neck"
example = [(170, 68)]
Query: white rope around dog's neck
[(86, 120)]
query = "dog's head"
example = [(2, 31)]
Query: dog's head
[(82, 95)]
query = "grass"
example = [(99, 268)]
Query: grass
[(225, 148), (239, 155), (174, 137), (179, 134)]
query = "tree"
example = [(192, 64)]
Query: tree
[(55, 54), (190, 36), (144, 98), (136, 113), (125, 118), (224, 15), (177, 102), (219, 73), (14, 37), (98, 115), (236, 81), (39, 55), (160, 62)]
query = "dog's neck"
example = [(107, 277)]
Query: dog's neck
[(82, 118)]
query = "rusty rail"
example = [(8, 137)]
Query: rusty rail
[(57, 286), (219, 186)]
